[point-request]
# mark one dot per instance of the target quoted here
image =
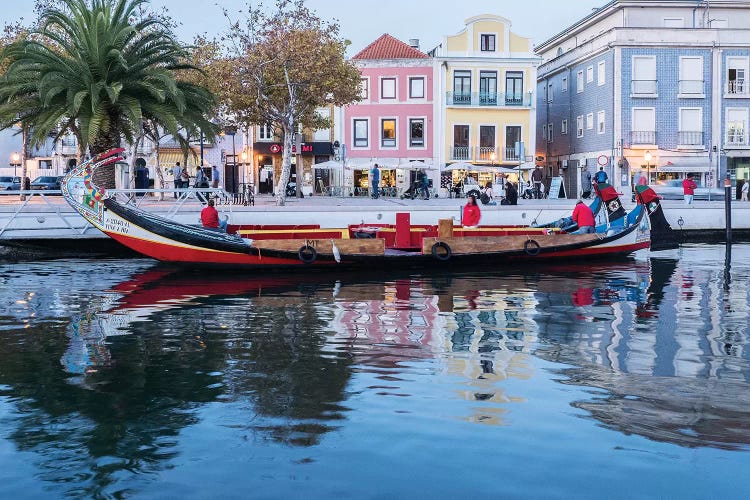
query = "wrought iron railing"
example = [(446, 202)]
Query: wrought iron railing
[(486, 99), (692, 87), (690, 138), (736, 137), (460, 153), (486, 153), (644, 87), (736, 87), (643, 137)]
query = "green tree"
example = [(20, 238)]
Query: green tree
[(285, 65), (100, 69)]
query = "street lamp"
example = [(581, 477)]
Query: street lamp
[(15, 161), (647, 156)]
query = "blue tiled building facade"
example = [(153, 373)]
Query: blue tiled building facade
[(657, 87)]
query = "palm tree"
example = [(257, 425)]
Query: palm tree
[(99, 69)]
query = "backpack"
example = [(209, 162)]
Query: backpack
[(601, 176)]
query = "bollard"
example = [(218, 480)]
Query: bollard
[(728, 207)]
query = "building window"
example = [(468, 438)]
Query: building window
[(550, 92), (601, 73), (644, 76), (487, 43), (488, 88), (388, 88), (718, 23), (361, 135), (564, 127), (600, 125), (265, 132), (590, 121), (460, 149), (462, 87), (564, 84), (512, 141), (589, 74), (388, 135), (416, 87), (691, 127), (673, 22), (416, 132), (736, 75), (691, 76), (644, 126), (579, 126), (579, 82), (324, 134), (514, 88), (736, 126), (550, 133), (364, 88)]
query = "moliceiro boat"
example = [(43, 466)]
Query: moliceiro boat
[(356, 246)]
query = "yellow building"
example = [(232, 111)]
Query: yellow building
[(486, 76)]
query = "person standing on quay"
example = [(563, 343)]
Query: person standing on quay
[(536, 178), (215, 177), (744, 189), (585, 182), (688, 189), (375, 181), (177, 174)]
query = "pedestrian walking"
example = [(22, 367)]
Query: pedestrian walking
[(688, 189), (215, 177), (744, 189), (601, 176)]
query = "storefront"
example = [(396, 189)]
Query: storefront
[(268, 158), (738, 168)]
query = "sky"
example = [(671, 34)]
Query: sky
[(362, 21)]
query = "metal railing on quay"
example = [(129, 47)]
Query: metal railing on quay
[(46, 210)]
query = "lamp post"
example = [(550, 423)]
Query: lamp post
[(15, 161), (647, 156), (232, 130)]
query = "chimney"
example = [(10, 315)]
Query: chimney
[(414, 43)]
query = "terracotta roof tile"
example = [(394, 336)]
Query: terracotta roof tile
[(388, 47)]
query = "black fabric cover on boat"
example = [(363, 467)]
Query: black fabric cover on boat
[(181, 233)]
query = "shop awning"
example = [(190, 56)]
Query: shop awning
[(169, 158), (684, 165)]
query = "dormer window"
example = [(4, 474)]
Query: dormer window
[(487, 42)]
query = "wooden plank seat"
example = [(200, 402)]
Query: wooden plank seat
[(347, 246), (488, 244)]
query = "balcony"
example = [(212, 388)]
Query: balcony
[(692, 88), (644, 88), (690, 138), (67, 148), (486, 154), (736, 138), (643, 137), (736, 88), (510, 154), (460, 153), (487, 99)]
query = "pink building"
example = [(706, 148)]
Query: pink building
[(393, 123)]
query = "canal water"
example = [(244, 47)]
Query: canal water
[(120, 378)]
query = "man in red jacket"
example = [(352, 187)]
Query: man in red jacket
[(688, 189), (584, 217)]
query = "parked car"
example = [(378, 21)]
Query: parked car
[(46, 183), (10, 183), (671, 189)]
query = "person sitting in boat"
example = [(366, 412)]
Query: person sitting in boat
[(472, 214), (584, 217), (210, 217)]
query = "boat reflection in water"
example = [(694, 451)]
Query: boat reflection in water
[(658, 339)]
